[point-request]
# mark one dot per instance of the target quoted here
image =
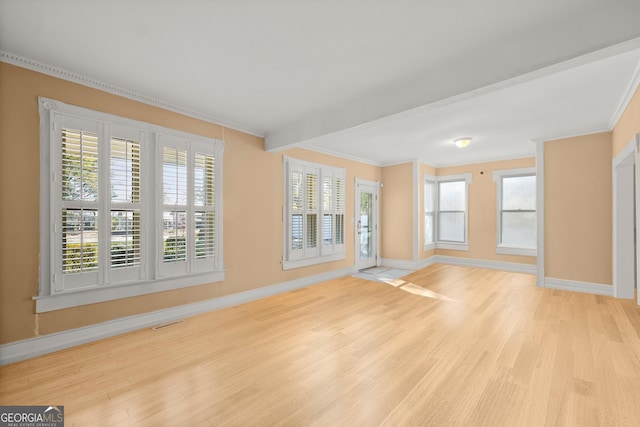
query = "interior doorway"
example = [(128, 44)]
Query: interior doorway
[(625, 221), (367, 214)]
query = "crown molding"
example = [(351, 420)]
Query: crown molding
[(574, 134), (33, 65), (631, 89), (339, 155)]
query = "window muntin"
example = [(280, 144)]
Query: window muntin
[(99, 207), (315, 205)]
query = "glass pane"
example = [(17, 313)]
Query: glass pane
[(296, 231), (451, 226), (296, 191), (79, 165), (519, 228), (366, 212), (327, 230), (312, 191), (174, 176), (79, 240), (340, 229), (312, 231), (327, 193), (204, 174), (205, 234), (125, 170), (452, 196), (175, 236), (125, 238), (429, 189), (428, 228), (519, 193), (340, 195)]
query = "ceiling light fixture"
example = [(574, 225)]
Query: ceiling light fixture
[(462, 142)]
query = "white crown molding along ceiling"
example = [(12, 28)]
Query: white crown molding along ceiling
[(383, 84)]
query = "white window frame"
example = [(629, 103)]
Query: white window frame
[(440, 244), (430, 180), (508, 249), (321, 253), (148, 277)]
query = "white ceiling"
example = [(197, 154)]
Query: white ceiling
[(381, 81)]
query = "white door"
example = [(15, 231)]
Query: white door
[(366, 226)]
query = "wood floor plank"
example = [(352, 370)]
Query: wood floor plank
[(458, 346)]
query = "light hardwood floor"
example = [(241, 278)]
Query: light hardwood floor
[(483, 348)]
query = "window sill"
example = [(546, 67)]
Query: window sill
[(45, 303), (453, 246), (515, 250), (429, 247), (290, 265)]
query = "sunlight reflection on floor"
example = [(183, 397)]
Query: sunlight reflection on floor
[(412, 288)]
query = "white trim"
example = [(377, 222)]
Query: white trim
[(492, 265), (575, 286), (417, 215), (426, 262), (30, 64), (625, 276), (631, 89), (540, 213), (434, 181), (514, 250), (340, 155), (465, 262), (32, 347), (452, 246), (377, 202), (45, 303), (497, 174), (305, 262), (401, 264), (429, 247), (574, 134)]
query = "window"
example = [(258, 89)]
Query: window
[(315, 213), (446, 211), (429, 212), (108, 231), (516, 207)]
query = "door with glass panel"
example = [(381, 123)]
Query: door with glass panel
[(366, 223)]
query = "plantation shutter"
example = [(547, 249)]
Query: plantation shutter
[(125, 162), (77, 245)]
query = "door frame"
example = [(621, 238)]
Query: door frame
[(626, 274), (376, 215)]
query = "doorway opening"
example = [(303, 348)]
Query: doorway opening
[(625, 221), (367, 213)]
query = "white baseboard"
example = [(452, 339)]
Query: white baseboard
[(398, 263), (572, 285), (467, 262), (32, 347), (482, 263)]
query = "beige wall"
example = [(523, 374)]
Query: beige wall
[(578, 208), (482, 210), (396, 214), (253, 198), (628, 125)]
